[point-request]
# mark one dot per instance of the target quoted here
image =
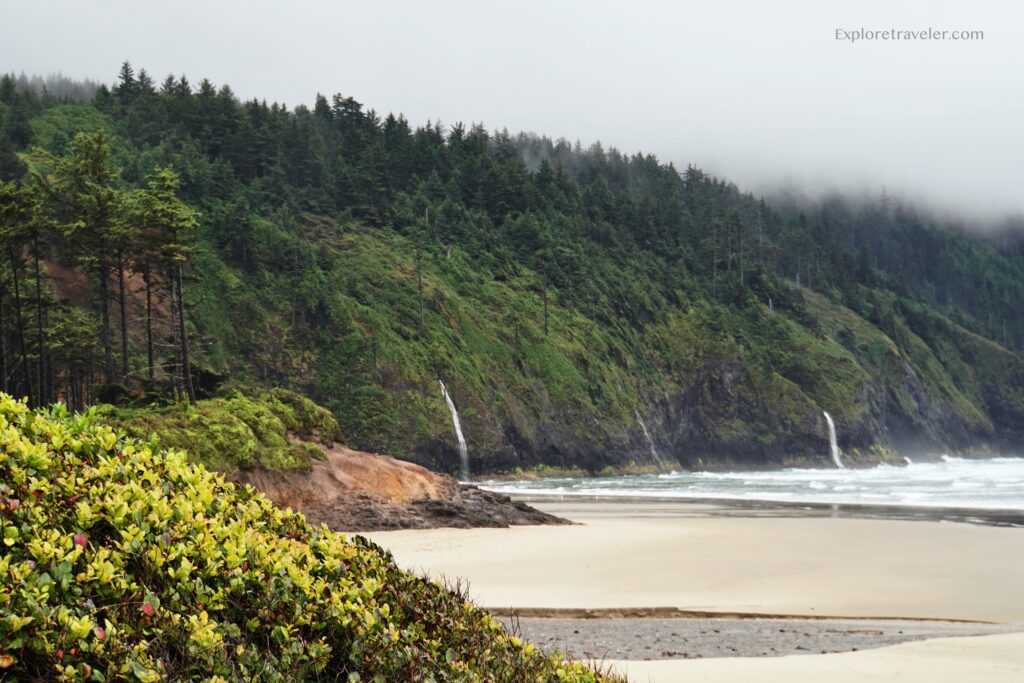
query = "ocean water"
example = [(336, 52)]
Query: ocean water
[(992, 484)]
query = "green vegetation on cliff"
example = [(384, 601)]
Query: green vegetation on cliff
[(557, 290), (123, 562), (275, 430)]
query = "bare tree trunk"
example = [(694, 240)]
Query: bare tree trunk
[(760, 237), (419, 277), (77, 390), (86, 397), (80, 392), (419, 274), (4, 380), (714, 260), (739, 244), (728, 249), (545, 307), (26, 373), (149, 320), (296, 300), (108, 342), (184, 339), (124, 317), (43, 393), (176, 376)]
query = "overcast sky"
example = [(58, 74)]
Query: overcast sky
[(760, 92)]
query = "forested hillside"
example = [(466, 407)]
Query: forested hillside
[(561, 292)]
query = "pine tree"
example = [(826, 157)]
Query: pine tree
[(166, 224), (38, 224), (84, 190), (123, 237), (15, 222), (127, 87)]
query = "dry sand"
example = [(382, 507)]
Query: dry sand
[(815, 567), (984, 659), (648, 556)]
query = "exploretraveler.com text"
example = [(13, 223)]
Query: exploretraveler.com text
[(858, 34)]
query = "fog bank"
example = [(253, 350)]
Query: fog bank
[(765, 94)]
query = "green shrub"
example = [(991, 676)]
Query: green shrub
[(290, 457), (208, 431), (266, 426), (302, 416), (123, 562), (236, 432)]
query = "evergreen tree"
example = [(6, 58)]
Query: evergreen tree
[(88, 202), (15, 221), (166, 225)]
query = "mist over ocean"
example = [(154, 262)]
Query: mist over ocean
[(990, 484)]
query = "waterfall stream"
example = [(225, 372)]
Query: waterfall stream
[(654, 451), (833, 442), (463, 450)]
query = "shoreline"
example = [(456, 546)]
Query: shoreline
[(986, 491), (542, 471), (674, 613), (709, 506)]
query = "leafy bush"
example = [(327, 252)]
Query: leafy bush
[(122, 562), (302, 416)]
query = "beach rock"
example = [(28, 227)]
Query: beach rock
[(352, 490)]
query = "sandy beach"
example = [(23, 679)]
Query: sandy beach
[(992, 659), (624, 556)]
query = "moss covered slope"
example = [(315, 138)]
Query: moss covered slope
[(121, 562), (237, 431)]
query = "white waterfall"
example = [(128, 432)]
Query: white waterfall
[(833, 443), (650, 442), (463, 451)]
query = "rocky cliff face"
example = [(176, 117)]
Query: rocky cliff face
[(890, 394)]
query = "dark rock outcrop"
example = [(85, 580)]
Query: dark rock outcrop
[(356, 491)]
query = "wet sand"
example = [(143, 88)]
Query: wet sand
[(596, 506), (701, 638), (640, 561)]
